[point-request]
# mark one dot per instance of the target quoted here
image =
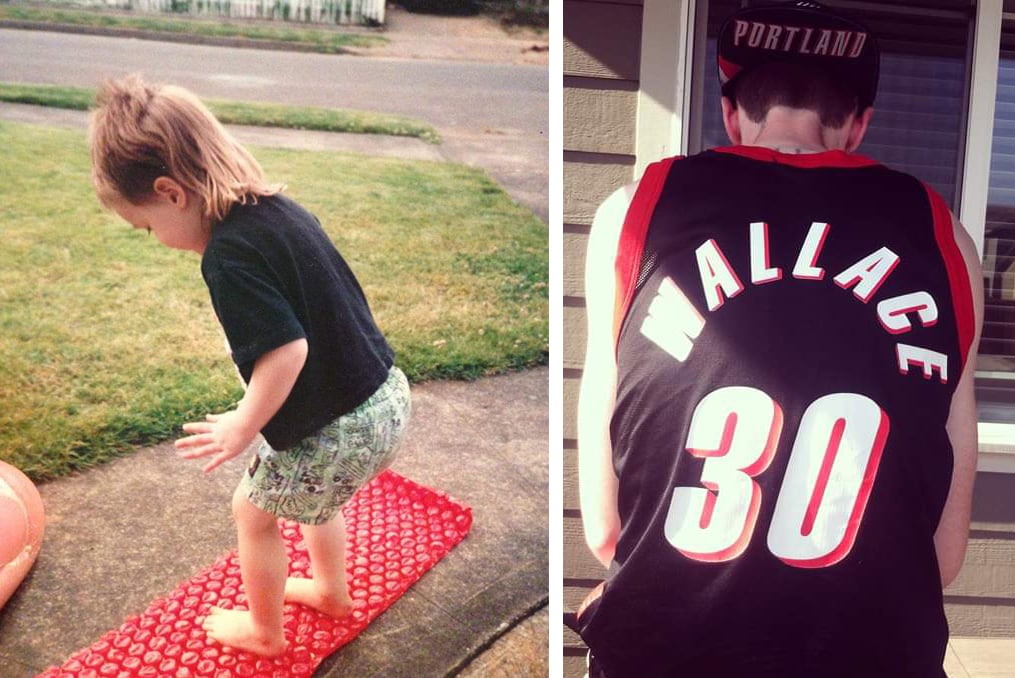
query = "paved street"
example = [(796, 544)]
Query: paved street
[(493, 116), (447, 94)]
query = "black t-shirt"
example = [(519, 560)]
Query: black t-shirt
[(275, 277)]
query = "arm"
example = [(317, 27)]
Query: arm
[(597, 482), (228, 435), (953, 530)]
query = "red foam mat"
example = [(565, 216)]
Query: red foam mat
[(397, 531)]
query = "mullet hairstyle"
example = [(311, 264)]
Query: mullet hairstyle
[(140, 132), (794, 86)]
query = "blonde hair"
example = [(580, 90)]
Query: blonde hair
[(139, 132)]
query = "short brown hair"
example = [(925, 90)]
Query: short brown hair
[(796, 86), (139, 132)]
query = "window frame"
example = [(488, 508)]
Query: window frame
[(670, 124)]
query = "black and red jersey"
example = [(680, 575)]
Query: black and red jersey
[(790, 331)]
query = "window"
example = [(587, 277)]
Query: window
[(996, 364)]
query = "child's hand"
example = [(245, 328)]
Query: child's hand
[(223, 435)]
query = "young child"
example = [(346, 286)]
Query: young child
[(320, 382)]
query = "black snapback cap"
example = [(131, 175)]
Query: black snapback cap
[(804, 33)]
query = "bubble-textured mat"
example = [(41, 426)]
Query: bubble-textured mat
[(397, 531)]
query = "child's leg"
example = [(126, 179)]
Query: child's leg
[(328, 591), (342, 457), (263, 567)]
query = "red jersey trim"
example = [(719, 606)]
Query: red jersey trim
[(958, 274), (631, 244), (805, 160)]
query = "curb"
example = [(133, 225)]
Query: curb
[(501, 632), (187, 38)]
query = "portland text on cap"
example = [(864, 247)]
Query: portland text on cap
[(798, 39)]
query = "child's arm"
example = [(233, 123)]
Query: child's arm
[(229, 434)]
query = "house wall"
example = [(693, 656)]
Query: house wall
[(602, 53), (981, 601), (602, 46)]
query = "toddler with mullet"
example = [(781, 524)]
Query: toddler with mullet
[(321, 386)]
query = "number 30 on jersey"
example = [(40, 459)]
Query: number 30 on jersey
[(824, 493)]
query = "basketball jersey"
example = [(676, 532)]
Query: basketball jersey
[(790, 331)]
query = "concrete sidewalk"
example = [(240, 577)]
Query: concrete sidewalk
[(475, 38), (980, 658), (408, 36), (125, 533), (381, 145)]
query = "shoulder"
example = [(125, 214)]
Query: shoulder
[(260, 226), (263, 214), (240, 239), (614, 207), (609, 219), (607, 225)]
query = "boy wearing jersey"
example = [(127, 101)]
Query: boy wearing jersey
[(777, 427)]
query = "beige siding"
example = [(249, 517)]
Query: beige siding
[(608, 114), (602, 44), (574, 260), (574, 337), (589, 178), (989, 570), (574, 664), (571, 381), (980, 618), (570, 479), (602, 39), (981, 601), (581, 564)]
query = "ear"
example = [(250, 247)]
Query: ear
[(731, 120), (170, 190), (857, 129)]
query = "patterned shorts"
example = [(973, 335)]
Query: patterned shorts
[(310, 481)]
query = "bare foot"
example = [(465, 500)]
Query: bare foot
[(235, 628), (304, 592)]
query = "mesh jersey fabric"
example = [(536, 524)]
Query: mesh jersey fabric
[(789, 335), (274, 276)]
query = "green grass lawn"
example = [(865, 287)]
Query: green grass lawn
[(108, 340), (242, 112), (325, 40)]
